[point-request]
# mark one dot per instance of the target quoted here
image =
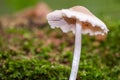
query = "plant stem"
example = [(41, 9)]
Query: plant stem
[(77, 51)]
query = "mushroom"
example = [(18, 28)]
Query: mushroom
[(79, 20)]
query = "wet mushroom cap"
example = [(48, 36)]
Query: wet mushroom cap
[(65, 19)]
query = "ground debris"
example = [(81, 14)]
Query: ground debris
[(29, 17)]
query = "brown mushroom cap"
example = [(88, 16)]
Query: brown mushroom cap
[(82, 10), (66, 20)]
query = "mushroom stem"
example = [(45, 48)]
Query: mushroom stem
[(77, 51)]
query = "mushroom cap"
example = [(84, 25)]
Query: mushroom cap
[(66, 19)]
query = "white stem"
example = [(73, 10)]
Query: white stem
[(77, 51)]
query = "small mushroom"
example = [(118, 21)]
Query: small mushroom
[(79, 20)]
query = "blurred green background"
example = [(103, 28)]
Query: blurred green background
[(103, 8)]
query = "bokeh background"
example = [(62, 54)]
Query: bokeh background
[(31, 50), (101, 8)]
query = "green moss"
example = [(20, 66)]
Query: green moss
[(27, 56), (33, 69)]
